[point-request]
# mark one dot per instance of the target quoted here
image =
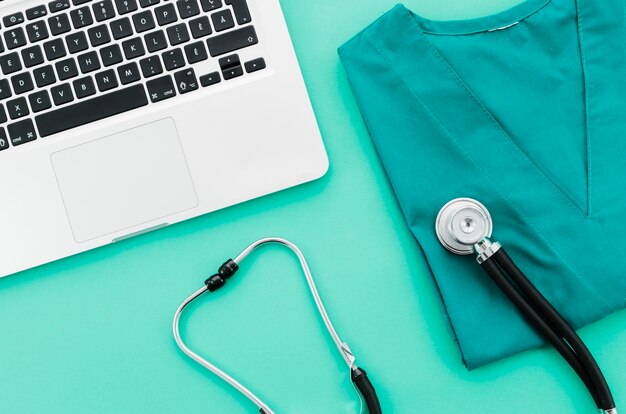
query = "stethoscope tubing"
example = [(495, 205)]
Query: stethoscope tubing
[(561, 326), (358, 375), (549, 323), (539, 324)]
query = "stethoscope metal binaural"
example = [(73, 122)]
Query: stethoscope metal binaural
[(226, 271), (464, 227)]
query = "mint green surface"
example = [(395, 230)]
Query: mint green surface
[(92, 334)]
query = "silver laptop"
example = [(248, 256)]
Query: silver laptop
[(118, 117)]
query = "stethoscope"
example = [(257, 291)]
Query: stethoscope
[(226, 271), (464, 227)]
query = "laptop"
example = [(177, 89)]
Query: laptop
[(118, 117)]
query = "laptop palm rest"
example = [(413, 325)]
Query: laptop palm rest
[(124, 180)]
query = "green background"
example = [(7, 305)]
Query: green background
[(92, 333)]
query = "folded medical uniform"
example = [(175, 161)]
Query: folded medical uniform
[(524, 111)]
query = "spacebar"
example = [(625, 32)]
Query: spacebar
[(91, 110)]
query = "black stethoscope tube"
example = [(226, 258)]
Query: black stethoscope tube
[(549, 323), (562, 327), (539, 324)]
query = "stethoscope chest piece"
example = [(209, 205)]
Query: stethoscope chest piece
[(464, 226), (461, 224)]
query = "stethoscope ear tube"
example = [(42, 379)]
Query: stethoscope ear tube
[(549, 323), (218, 280)]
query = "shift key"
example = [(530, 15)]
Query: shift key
[(231, 41)]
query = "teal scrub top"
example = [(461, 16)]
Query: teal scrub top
[(524, 111)]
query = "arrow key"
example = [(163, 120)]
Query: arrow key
[(233, 72), (254, 65), (186, 81)]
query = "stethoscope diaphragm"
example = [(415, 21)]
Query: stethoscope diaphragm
[(462, 223)]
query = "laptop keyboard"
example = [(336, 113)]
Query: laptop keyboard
[(67, 63)]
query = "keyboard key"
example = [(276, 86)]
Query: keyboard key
[(228, 62), (173, 59), (59, 24), (22, 83), (76, 42), (81, 17), (133, 48), (79, 2), (103, 10), (232, 73), (254, 65), (44, 76), (39, 101), (111, 55), (84, 87), (22, 132), (36, 12), (54, 49), (106, 80), (148, 3), (128, 73), (223, 20), (66, 69), (3, 115), (151, 66), (4, 141), (155, 41), (36, 31), (58, 5), (200, 27), (88, 62), (17, 108), (143, 21), (15, 38), (10, 63), (5, 89), (165, 14), (242, 13), (32, 56), (178, 34), (62, 94), (121, 28), (126, 6), (161, 88), (187, 8), (186, 81), (231, 41), (91, 110), (208, 5), (1, 46), (13, 19), (196, 52), (99, 35)]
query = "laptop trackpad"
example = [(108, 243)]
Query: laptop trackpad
[(124, 180)]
